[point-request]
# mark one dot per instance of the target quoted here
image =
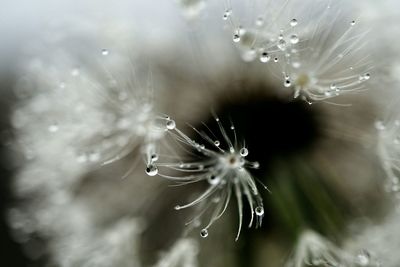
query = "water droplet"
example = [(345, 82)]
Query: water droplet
[(227, 14), (151, 170), (256, 165), (232, 127), (259, 22), (367, 76), (276, 60), (204, 233), (53, 128), (170, 124), (353, 22), (265, 57), (294, 39), (236, 38), (154, 157), (213, 179), (363, 258), (244, 152), (287, 83), (105, 52), (177, 207), (333, 86), (293, 22), (217, 143), (282, 44), (259, 211)]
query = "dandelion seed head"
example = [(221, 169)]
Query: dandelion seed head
[(314, 250), (223, 165), (312, 45)]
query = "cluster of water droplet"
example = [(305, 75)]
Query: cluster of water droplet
[(263, 41), (315, 61), (223, 168)]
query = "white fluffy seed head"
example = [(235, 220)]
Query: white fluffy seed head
[(222, 164), (321, 52)]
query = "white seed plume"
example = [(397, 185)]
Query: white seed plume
[(224, 169), (319, 51), (99, 117), (389, 151), (314, 250)]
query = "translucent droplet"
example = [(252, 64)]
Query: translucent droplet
[(105, 52), (294, 39), (265, 57), (293, 22), (333, 86), (53, 128), (367, 76), (276, 60), (244, 152), (287, 83), (353, 22), (204, 233), (259, 22), (154, 157), (151, 170), (213, 179), (227, 14), (171, 124), (282, 44), (236, 38), (217, 143), (363, 258), (177, 207), (259, 211)]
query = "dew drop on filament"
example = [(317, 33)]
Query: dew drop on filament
[(170, 124), (236, 38), (293, 22), (259, 211), (151, 170), (204, 233), (105, 52), (294, 39), (265, 57), (244, 152)]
